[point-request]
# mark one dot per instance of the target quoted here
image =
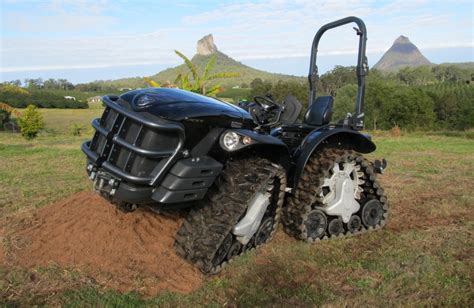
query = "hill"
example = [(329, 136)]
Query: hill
[(224, 63), (403, 53), (206, 49)]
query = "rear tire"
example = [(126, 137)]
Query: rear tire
[(313, 189)]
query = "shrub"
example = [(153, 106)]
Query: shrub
[(4, 117), (31, 122), (76, 130)]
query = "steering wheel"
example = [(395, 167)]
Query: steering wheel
[(266, 112), (265, 103)]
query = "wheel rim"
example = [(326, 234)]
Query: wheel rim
[(354, 223), (223, 250), (341, 189), (264, 231), (335, 227), (372, 213), (316, 224), (234, 250)]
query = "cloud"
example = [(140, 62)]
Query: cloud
[(88, 34), (59, 16)]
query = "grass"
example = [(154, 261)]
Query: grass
[(423, 257)]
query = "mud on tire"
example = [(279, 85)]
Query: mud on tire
[(306, 198), (206, 232)]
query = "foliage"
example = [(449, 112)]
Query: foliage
[(5, 112), (31, 122), (4, 117), (235, 95), (76, 129), (198, 83), (151, 83), (20, 98), (389, 101)]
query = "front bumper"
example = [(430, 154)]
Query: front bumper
[(114, 135), (137, 160)]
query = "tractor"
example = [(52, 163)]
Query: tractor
[(238, 172)]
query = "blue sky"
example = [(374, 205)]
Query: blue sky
[(88, 40)]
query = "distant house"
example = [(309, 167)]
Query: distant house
[(125, 89), (70, 97), (236, 87), (94, 99)]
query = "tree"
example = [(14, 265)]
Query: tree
[(5, 112), (31, 122), (198, 83), (344, 101), (336, 78), (259, 87), (409, 108)]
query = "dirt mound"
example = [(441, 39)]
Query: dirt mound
[(125, 251), (2, 254)]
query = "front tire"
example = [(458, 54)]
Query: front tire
[(205, 237)]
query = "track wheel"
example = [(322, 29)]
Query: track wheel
[(234, 250), (209, 236), (372, 213), (354, 224), (335, 227), (222, 252), (315, 224), (264, 232)]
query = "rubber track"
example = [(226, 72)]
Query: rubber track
[(305, 196), (205, 228)]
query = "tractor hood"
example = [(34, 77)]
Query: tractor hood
[(179, 105)]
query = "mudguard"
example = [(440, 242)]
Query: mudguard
[(338, 137), (272, 147)]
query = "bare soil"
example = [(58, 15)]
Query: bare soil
[(2, 253), (128, 252)]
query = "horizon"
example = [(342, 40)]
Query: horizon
[(94, 44)]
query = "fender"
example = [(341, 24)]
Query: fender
[(267, 145), (337, 137)]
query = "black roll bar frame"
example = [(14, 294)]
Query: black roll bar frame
[(362, 69)]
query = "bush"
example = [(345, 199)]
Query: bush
[(76, 130), (4, 118), (31, 122)]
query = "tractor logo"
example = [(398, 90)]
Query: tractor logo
[(143, 101)]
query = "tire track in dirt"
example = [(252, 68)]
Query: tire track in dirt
[(128, 252)]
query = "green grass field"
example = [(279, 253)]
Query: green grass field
[(423, 257)]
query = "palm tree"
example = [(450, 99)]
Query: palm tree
[(198, 83), (9, 109)]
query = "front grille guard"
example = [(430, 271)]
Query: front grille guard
[(112, 138)]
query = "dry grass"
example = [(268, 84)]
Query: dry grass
[(423, 257)]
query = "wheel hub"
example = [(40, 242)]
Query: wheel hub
[(341, 189), (372, 213), (315, 223)]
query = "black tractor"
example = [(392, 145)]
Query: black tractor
[(240, 171)]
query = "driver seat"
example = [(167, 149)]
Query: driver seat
[(320, 112)]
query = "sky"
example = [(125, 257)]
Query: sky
[(83, 40)]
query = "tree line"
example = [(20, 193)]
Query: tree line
[(18, 97), (439, 97)]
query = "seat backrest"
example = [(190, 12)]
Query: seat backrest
[(320, 112), (292, 110)]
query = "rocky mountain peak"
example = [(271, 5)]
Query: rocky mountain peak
[(402, 40), (206, 46), (403, 53)]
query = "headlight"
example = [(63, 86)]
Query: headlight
[(230, 141)]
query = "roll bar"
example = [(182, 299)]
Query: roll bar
[(357, 120)]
